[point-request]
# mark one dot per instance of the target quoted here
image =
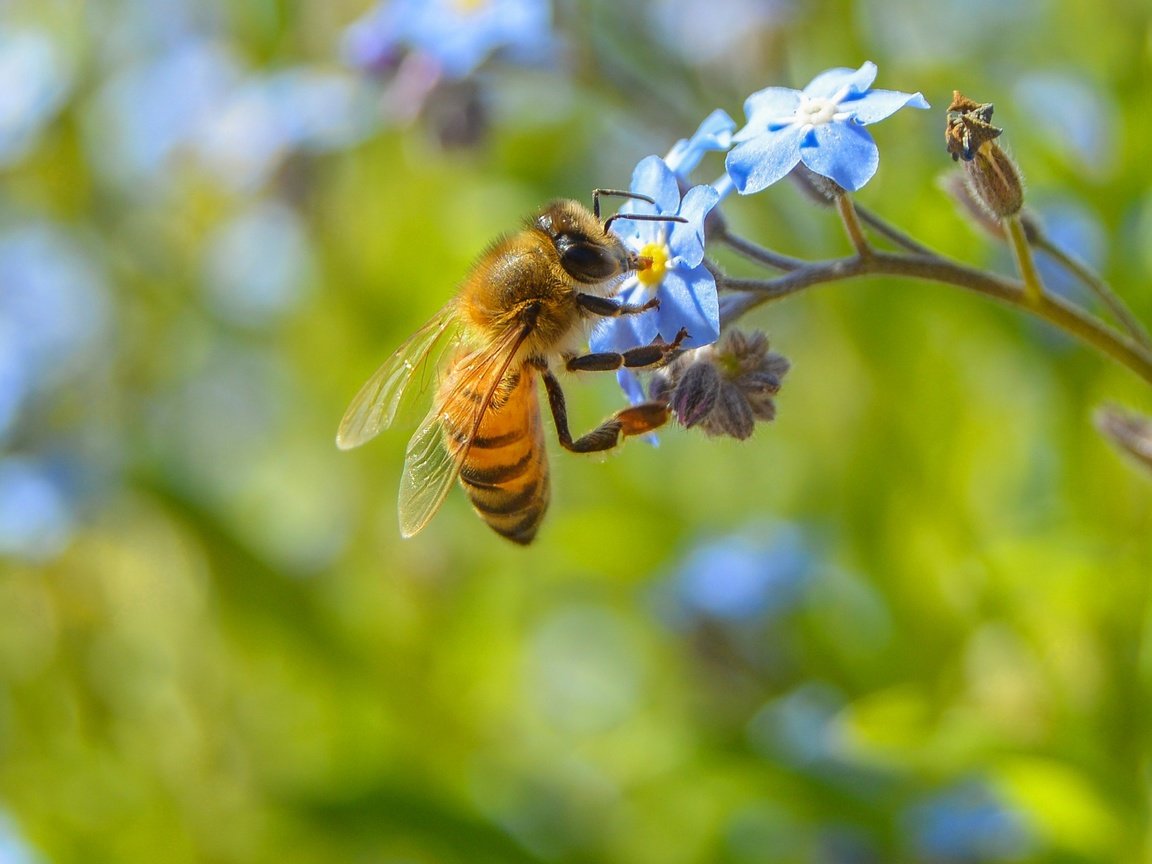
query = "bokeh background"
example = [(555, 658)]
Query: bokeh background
[(908, 621)]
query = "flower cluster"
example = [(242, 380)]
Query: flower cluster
[(821, 130)]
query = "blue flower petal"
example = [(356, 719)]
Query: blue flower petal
[(627, 331), (829, 83), (653, 178), (843, 151), (761, 161), (686, 240), (772, 106), (631, 386), (688, 299), (714, 133), (875, 105)]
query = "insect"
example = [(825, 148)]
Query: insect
[(519, 312)]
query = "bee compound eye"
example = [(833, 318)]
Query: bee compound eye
[(584, 260)]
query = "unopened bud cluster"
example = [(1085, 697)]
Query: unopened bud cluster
[(726, 387), (992, 175)]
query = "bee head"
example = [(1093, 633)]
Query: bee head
[(586, 250)]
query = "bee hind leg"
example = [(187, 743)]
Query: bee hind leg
[(636, 420)]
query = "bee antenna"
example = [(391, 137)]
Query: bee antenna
[(640, 217), (619, 193)]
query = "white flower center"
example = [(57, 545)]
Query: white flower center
[(815, 112), (818, 110)]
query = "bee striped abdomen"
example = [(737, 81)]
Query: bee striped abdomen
[(506, 470)]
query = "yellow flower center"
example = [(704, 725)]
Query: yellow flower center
[(467, 7), (653, 274)]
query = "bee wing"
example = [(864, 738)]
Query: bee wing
[(431, 466), (375, 405)]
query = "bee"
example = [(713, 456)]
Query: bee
[(519, 313)]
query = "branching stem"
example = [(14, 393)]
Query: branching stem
[(746, 294), (1097, 285)]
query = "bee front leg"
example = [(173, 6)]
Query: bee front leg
[(636, 420), (634, 358), (608, 308)]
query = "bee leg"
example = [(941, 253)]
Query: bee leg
[(634, 358), (608, 308), (636, 420)]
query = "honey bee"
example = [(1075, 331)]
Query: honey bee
[(520, 311)]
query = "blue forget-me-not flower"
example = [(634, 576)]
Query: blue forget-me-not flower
[(676, 276), (821, 126)]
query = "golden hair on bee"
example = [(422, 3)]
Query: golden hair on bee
[(519, 313)]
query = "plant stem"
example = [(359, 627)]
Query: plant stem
[(1025, 263), (1098, 286), (847, 211), (750, 293), (761, 254)]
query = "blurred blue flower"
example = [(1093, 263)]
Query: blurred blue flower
[(715, 32), (150, 27), (15, 378), (197, 102), (713, 135), (36, 518), (147, 111), (35, 84), (1084, 131), (1077, 230), (967, 823), (821, 126), (14, 849), (53, 313), (244, 283), (266, 117), (761, 571), (684, 286), (457, 35), (799, 727)]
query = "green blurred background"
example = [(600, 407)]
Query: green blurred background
[(908, 621)]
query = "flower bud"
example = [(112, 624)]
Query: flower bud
[(724, 388), (993, 177), (695, 396), (1127, 431), (957, 187)]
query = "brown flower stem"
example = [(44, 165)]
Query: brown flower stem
[(750, 293), (760, 254), (847, 211)]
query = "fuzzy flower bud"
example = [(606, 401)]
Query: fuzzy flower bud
[(726, 387), (992, 175), (1130, 432), (957, 187)]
